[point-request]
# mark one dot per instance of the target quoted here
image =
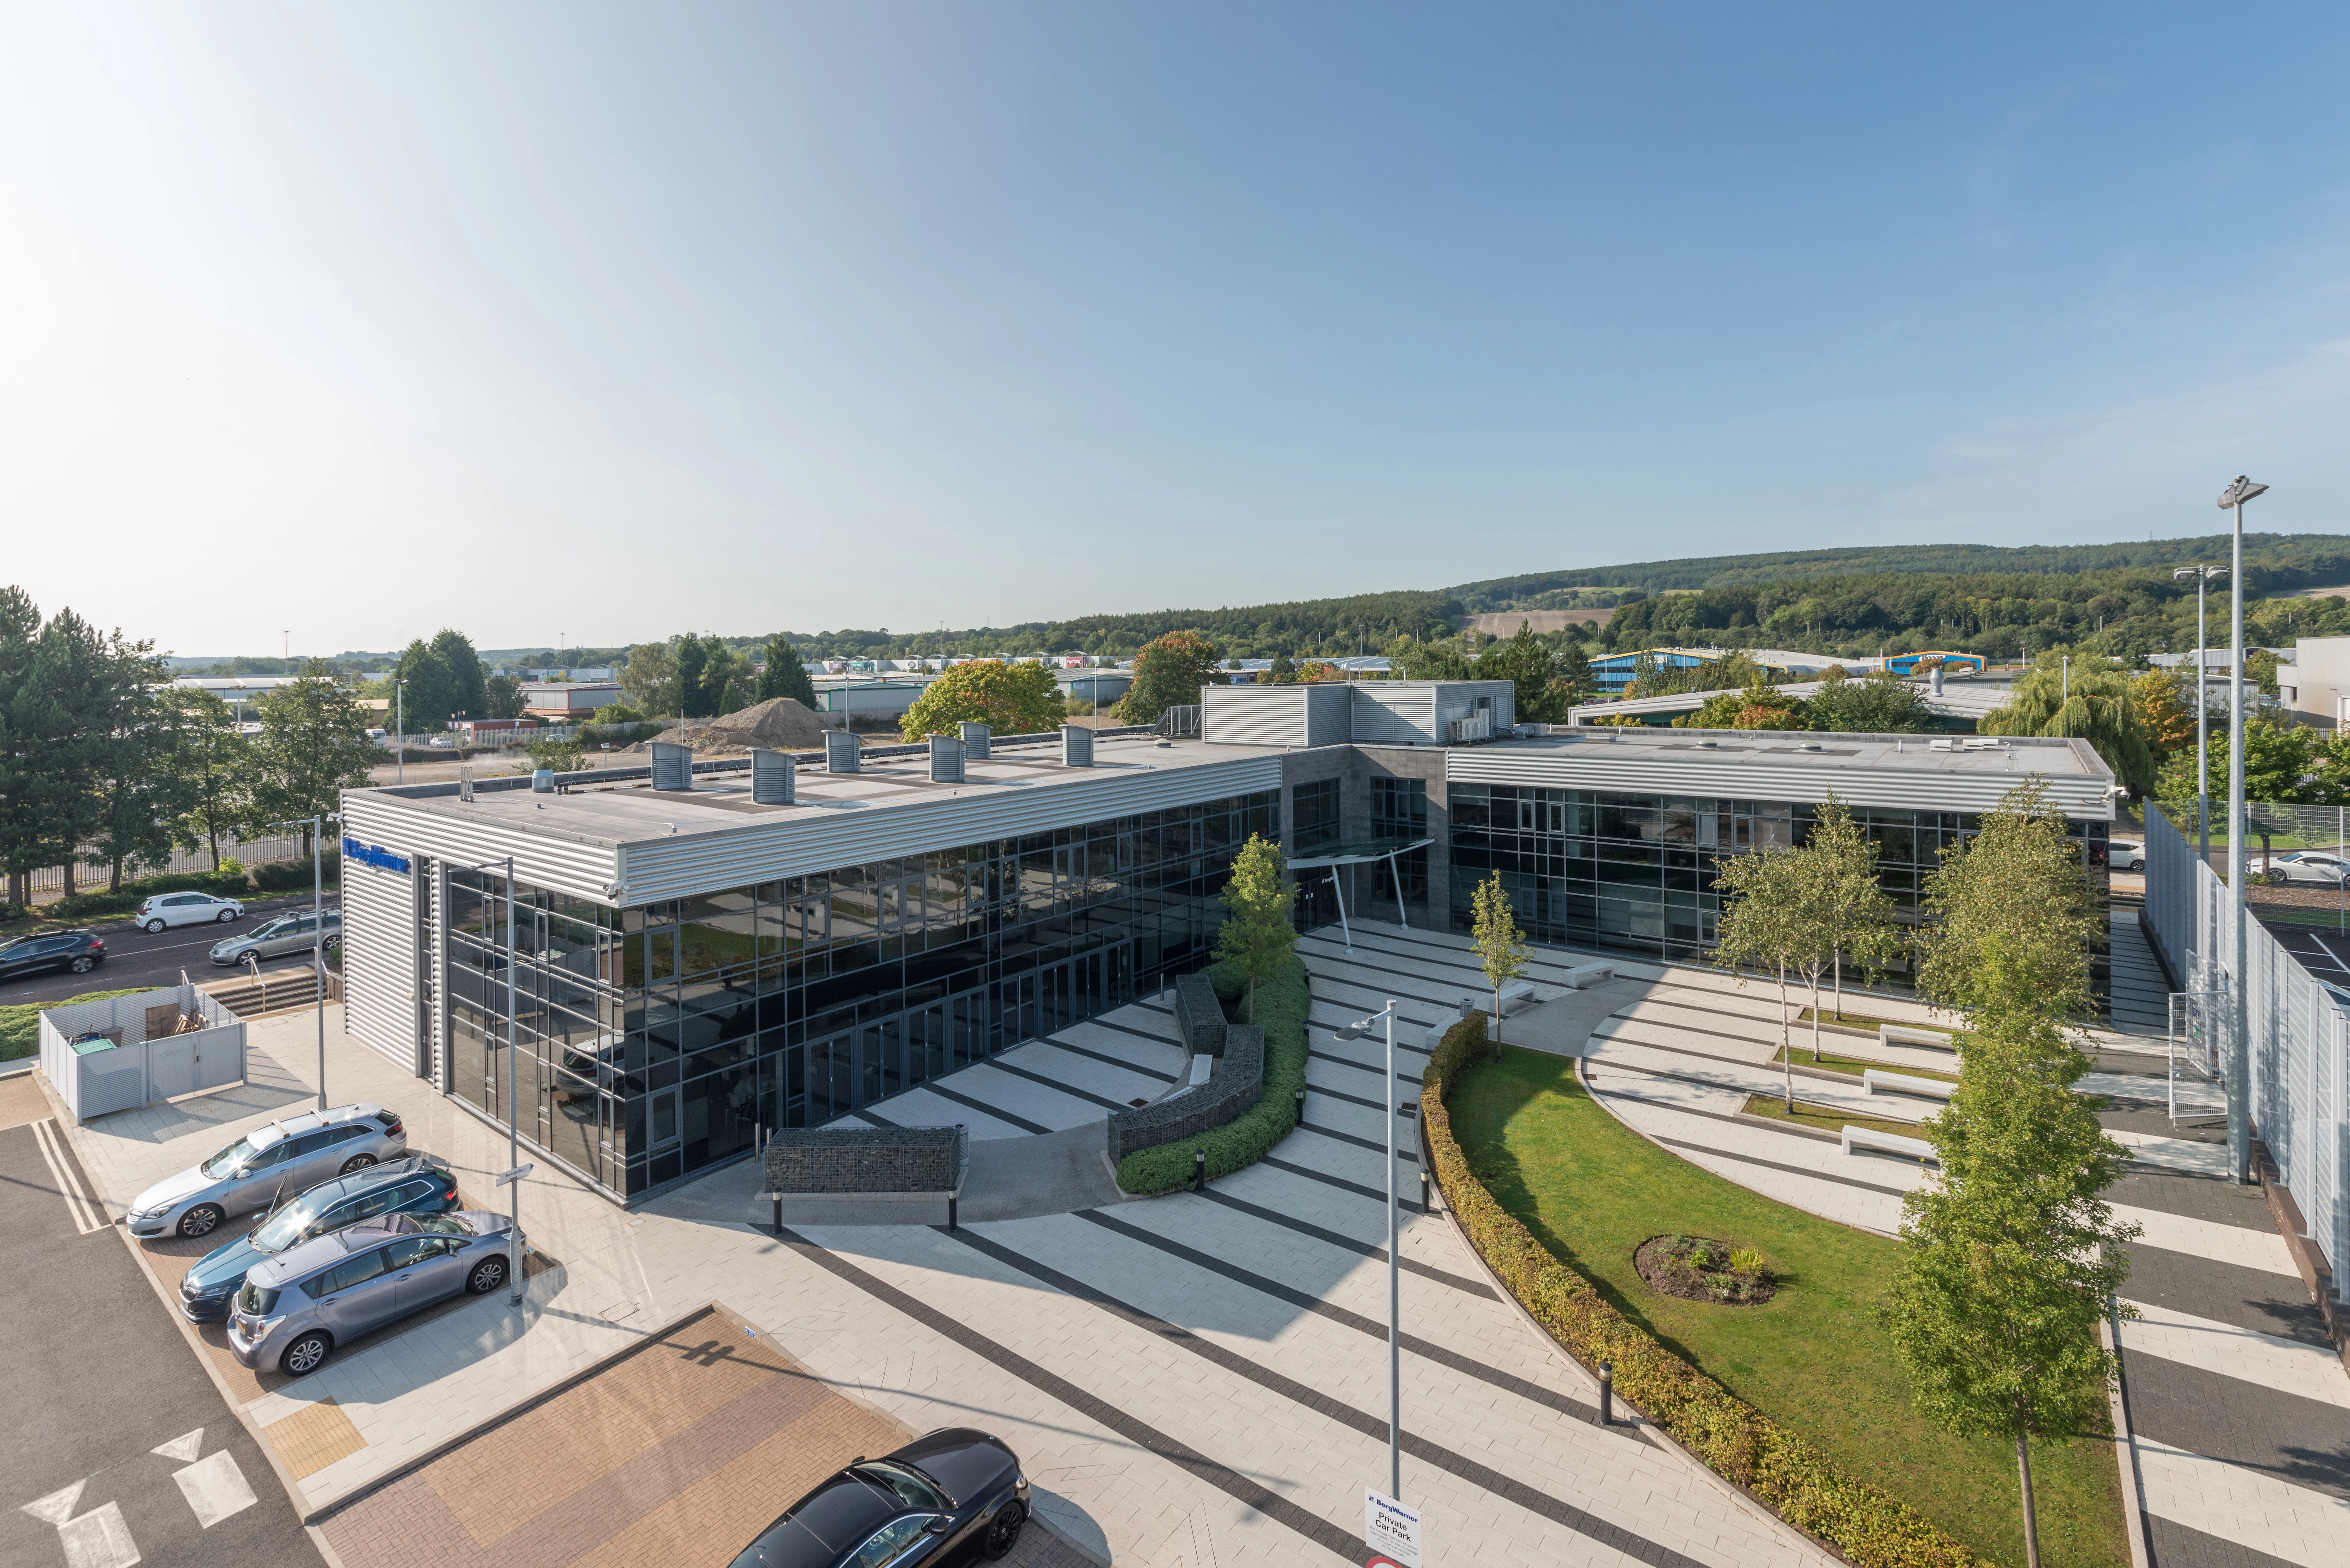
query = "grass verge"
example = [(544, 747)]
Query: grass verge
[(1829, 1061), (1281, 1007), (1823, 1118), (20, 1024), (1800, 1399), (1864, 1021)]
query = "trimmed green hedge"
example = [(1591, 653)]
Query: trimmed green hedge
[(20, 1025), (1281, 1007), (1871, 1527), (294, 876)]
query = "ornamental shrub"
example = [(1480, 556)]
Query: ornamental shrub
[(1281, 1003), (294, 876), (1872, 1528)]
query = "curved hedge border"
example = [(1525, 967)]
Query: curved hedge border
[(1782, 1470), (1281, 1007)]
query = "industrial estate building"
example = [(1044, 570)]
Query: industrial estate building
[(790, 939)]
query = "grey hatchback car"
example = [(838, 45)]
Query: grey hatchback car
[(297, 1306), (281, 1158)]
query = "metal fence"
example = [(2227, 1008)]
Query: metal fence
[(2297, 1034), (92, 876)]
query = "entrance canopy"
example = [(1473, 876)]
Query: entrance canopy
[(1358, 853)]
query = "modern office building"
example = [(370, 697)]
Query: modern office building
[(1615, 672), (781, 944)]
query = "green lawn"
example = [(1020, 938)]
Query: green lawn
[(1829, 1061), (1823, 1118), (1813, 1357)]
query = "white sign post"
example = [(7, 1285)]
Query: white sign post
[(1390, 1530)]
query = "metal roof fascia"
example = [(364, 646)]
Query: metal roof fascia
[(818, 838), (1897, 789), (561, 864)]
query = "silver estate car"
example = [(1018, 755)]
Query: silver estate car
[(287, 933), (297, 1306), (280, 1159)]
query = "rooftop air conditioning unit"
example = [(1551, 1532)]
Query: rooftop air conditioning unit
[(1475, 727)]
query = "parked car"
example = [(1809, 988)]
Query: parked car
[(60, 952), (933, 1502), (297, 1306), (162, 909), (287, 933), (264, 1165), (2325, 869), (2124, 856), (417, 1185)]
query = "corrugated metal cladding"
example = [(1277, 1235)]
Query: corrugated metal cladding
[(1403, 716), (1588, 766), (1253, 716), (818, 838), (1329, 713), (583, 870), (436, 959), (380, 961)]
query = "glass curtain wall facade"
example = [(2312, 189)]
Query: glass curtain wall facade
[(655, 1041), (1400, 810), (1635, 872)]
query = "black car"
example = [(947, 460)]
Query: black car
[(60, 952), (947, 1498)]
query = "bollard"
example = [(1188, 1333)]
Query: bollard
[(779, 1215), (1607, 1395), (1424, 1208), (1198, 1170), (950, 1211), (1301, 1108)]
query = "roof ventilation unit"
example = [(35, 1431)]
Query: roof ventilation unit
[(842, 755), (1076, 747), (774, 777), (465, 781), (673, 765), (974, 741), (946, 760)]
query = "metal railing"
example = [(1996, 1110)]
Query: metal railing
[(90, 875)]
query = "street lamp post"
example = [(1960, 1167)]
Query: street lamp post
[(2203, 576), (400, 732), (1356, 1031), (2240, 1067)]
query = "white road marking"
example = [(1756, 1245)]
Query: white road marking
[(99, 1539), (58, 1506), (2284, 1521), (2266, 1360), (78, 1209), (215, 1488), (2236, 1245), (181, 1449)]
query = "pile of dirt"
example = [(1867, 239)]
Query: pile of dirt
[(781, 723)]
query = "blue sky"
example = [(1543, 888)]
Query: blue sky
[(609, 321)]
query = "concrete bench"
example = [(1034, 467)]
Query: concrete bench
[(1857, 1138), (1518, 991), (1883, 1083), (1902, 1035), (1584, 976)]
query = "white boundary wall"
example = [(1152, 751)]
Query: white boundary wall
[(2298, 1030)]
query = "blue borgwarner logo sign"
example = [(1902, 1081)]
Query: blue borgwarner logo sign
[(374, 854)]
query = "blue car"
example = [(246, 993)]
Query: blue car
[(417, 1185)]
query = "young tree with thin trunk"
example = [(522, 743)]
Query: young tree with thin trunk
[(1499, 948), (1759, 928), (2013, 920), (1257, 936), (1861, 921)]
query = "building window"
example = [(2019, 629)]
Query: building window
[(1316, 808), (1400, 810)]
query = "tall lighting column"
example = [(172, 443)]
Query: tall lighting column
[(1356, 1031), (2240, 1066), (2203, 576)]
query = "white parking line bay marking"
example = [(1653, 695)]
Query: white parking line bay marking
[(78, 1209), (216, 1488), (99, 1539)]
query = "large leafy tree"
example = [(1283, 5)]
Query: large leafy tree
[(2013, 920), (210, 763), (1009, 699), (2012, 1260), (2165, 700), (727, 679), (2285, 762), (1169, 674), (432, 694), (1874, 704), (1257, 936), (691, 660), (32, 722), (313, 745), (2092, 703), (1749, 708), (648, 679), (784, 675), (102, 685), (469, 678)]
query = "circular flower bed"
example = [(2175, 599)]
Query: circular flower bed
[(1700, 1269)]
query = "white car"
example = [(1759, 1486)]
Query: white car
[(2123, 856), (2318, 865), (163, 909)]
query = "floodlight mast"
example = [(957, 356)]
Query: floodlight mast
[(2204, 576), (2240, 1070), (1356, 1031)]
